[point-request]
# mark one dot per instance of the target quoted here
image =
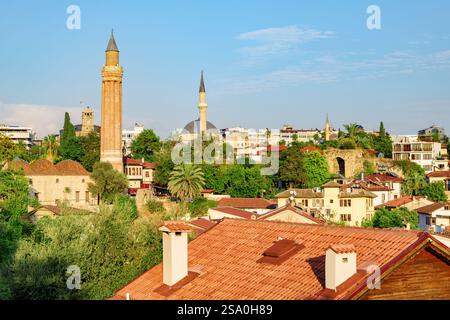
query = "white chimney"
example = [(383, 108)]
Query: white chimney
[(175, 251), (340, 265)]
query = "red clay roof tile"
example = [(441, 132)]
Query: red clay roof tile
[(229, 254)]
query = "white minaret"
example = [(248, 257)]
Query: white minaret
[(202, 105)]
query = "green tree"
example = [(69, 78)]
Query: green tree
[(413, 184), (108, 183), (111, 248), (146, 145), (90, 150), (434, 191), (351, 129), (315, 166), (51, 146), (382, 130), (199, 206), (70, 148), (165, 165), (186, 181), (245, 181), (8, 149), (398, 218), (291, 167)]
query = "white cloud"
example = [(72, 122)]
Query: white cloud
[(42, 118), (279, 40)]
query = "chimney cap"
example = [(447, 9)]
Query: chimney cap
[(175, 226), (343, 248)]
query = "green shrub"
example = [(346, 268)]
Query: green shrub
[(199, 206), (155, 206)]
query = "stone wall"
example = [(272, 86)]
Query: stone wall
[(352, 162)]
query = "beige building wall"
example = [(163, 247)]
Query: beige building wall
[(290, 216), (70, 189), (331, 208)]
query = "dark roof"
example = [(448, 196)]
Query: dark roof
[(112, 46), (378, 177), (190, 127), (202, 84)]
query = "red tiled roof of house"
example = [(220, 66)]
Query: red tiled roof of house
[(137, 162), (236, 212), (293, 209), (399, 202), (429, 209), (343, 248), (203, 223), (226, 258), (439, 174), (247, 203), (176, 226), (43, 167), (377, 177)]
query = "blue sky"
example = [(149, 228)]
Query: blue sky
[(266, 62)]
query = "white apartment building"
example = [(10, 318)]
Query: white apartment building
[(19, 134), (129, 135), (250, 142), (426, 154)]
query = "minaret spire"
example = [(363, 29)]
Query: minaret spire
[(202, 105), (202, 84), (112, 45)]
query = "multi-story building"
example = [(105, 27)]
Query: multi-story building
[(128, 137), (429, 133), (139, 174), (424, 153), (18, 134), (332, 202), (63, 183)]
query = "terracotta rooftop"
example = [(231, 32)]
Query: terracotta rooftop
[(439, 174), (429, 209), (202, 225), (175, 226), (377, 177), (399, 201), (43, 167), (145, 164), (247, 203), (236, 212), (227, 256), (343, 248), (293, 209)]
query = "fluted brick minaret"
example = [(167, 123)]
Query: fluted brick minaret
[(111, 129), (202, 105)]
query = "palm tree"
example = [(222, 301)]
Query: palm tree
[(186, 181), (51, 147), (351, 129), (413, 184)]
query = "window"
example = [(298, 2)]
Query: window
[(147, 174), (346, 203), (346, 217), (77, 196), (428, 220), (369, 216), (305, 202), (57, 180), (87, 196), (82, 181), (30, 182), (331, 201)]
